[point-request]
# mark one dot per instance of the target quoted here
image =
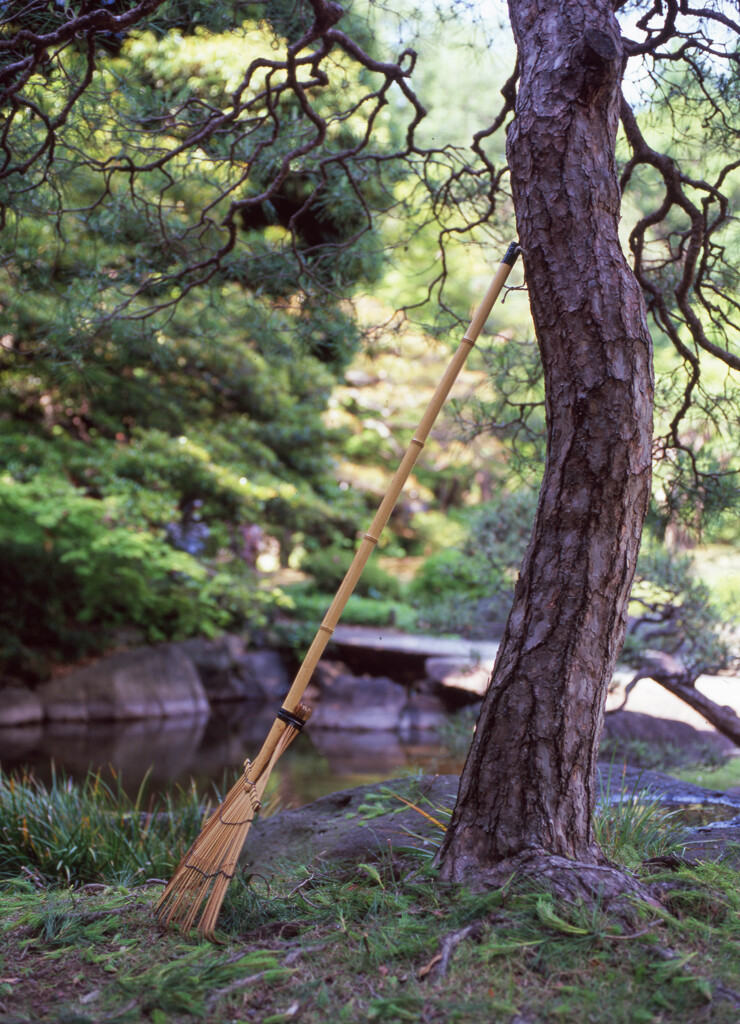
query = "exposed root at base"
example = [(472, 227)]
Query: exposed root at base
[(608, 886)]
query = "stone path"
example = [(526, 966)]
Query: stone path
[(379, 639), (647, 697)]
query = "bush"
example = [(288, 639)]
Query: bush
[(469, 588), (329, 566), (71, 570), (310, 607)]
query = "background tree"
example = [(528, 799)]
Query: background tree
[(182, 228)]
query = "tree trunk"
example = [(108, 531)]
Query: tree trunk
[(527, 791)]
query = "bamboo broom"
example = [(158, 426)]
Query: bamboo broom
[(199, 884)]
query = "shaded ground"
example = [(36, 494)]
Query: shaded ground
[(370, 945), (306, 939)]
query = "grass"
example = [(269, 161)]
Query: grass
[(637, 827), (77, 833), (722, 777), (317, 942), (366, 945)]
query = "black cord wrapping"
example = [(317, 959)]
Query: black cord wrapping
[(291, 719)]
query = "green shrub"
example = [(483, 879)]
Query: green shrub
[(328, 567), (310, 607), (73, 567), (468, 588), (437, 530)]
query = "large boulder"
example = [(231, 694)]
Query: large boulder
[(19, 706), (354, 825), (365, 824), (361, 703), (150, 682), (457, 681), (228, 672), (264, 671), (423, 713)]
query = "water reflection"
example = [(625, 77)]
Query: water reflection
[(210, 750)]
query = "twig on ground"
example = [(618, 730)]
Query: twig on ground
[(440, 962)]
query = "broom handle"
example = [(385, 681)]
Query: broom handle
[(386, 507)]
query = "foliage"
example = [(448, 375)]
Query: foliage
[(675, 612), (75, 567), (328, 567), (468, 588), (91, 831), (168, 420), (306, 605)]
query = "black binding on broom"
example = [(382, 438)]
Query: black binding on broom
[(290, 719)]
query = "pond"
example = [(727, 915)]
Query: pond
[(209, 750)]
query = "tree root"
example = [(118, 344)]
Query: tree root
[(593, 883)]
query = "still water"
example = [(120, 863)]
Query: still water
[(210, 750)]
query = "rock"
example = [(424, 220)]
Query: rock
[(422, 713), (264, 670), (362, 703), (617, 781), (353, 825), (150, 682), (469, 678), (213, 662), (633, 725), (224, 668), (228, 672), (19, 706), (357, 825), (326, 672)]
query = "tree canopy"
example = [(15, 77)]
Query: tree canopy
[(190, 195)]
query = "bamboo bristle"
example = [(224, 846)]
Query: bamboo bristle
[(199, 884)]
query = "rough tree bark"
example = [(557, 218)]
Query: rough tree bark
[(528, 788)]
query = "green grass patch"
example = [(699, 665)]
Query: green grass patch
[(723, 776), (363, 945), (92, 831)]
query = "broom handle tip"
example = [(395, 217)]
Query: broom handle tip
[(511, 254)]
